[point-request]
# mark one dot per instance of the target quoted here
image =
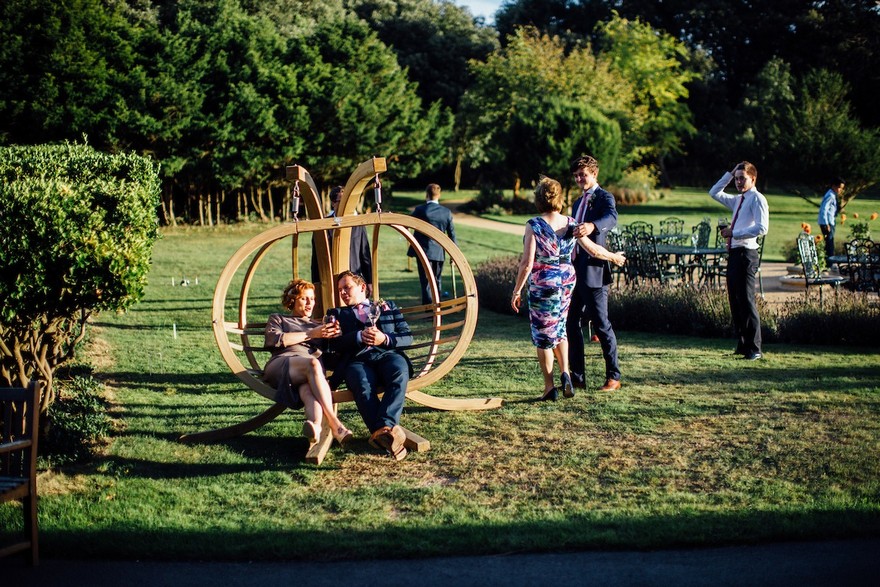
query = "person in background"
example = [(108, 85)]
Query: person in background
[(751, 219), (546, 264), (828, 212), (368, 357), (595, 214), (440, 218), (294, 368), (360, 258)]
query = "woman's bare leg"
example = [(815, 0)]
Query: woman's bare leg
[(311, 407), (560, 351), (319, 389), (545, 361)]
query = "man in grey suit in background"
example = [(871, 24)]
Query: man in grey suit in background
[(441, 218)]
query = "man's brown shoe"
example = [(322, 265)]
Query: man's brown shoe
[(390, 439), (610, 385), (374, 437)]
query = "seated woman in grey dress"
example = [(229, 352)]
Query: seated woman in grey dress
[(294, 368)]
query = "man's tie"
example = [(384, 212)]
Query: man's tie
[(582, 211), (735, 216), (362, 312)]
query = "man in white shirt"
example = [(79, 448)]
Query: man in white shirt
[(828, 212), (751, 219)]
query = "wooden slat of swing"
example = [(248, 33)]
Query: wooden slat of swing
[(419, 332), (430, 310), (431, 343)]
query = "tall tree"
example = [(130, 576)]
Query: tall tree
[(361, 104), (520, 75), (804, 129), (66, 70), (226, 112), (656, 64), (837, 35), (433, 41)]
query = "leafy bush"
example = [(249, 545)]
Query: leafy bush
[(491, 200), (847, 318), (860, 230), (671, 310), (495, 280), (77, 422), (78, 231), (635, 187)]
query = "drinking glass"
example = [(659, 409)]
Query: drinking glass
[(374, 313)]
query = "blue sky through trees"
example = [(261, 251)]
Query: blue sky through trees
[(484, 8)]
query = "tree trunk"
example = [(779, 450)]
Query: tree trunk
[(168, 205), (201, 206), (271, 203), (257, 202), (209, 209), (456, 176), (36, 350), (220, 201), (665, 180)]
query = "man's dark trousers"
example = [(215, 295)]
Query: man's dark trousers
[(742, 268), (591, 303), (365, 374)]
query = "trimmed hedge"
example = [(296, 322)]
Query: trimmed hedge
[(78, 228), (845, 319)]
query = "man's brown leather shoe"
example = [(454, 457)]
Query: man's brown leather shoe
[(610, 385), (374, 437), (390, 439)]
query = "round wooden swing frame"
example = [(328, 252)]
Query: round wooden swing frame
[(330, 260)]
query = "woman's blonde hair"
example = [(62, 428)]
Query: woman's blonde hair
[(548, 195), (294, 289)]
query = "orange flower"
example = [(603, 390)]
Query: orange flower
[(874, 216), (818, 238), (807, 228), (842, 218), (855, 214)]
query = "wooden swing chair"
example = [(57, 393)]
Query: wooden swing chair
[(441, 331)]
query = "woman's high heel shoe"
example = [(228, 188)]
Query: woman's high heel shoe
[(551, 394), (342, 435), (567, 385), (310, 431)]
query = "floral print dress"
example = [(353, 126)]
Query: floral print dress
[(550, 283)]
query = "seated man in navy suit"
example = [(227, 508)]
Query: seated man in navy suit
[(369, 357)]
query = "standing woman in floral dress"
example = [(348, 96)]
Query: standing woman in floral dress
[(548, 244)]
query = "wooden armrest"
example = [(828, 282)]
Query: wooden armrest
[(16, 445)]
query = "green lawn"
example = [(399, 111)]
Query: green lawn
[(696, 449)]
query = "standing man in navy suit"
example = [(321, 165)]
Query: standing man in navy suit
[(596, 214), (441, 218), (369, 357), (360, 257)]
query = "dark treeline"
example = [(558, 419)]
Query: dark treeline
[(225, 93), (757, 61)]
